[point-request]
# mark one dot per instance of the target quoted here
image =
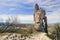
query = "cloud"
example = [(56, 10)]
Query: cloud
[(25, 17), (15, 6), (48, 5), (54, 17), (14, 2), (26, 6), (20, 18)]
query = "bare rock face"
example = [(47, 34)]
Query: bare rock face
[(36, 18), (40, 19)]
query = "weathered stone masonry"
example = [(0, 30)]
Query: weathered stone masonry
[(40, 19)]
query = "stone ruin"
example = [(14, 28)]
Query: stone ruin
[(40, 19)]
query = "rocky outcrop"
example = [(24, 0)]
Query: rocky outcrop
[(40, 19)]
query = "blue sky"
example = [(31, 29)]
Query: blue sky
[(24, 9)]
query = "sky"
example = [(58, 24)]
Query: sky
[(24, 10)]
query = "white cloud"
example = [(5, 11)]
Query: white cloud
[(14, 2), (48, 4), (25, 17), (21, 18), (28, 1), (52, 17)]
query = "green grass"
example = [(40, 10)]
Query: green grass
[(54, 31)]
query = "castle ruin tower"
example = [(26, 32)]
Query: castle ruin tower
[(40, 19), (36, 19)]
